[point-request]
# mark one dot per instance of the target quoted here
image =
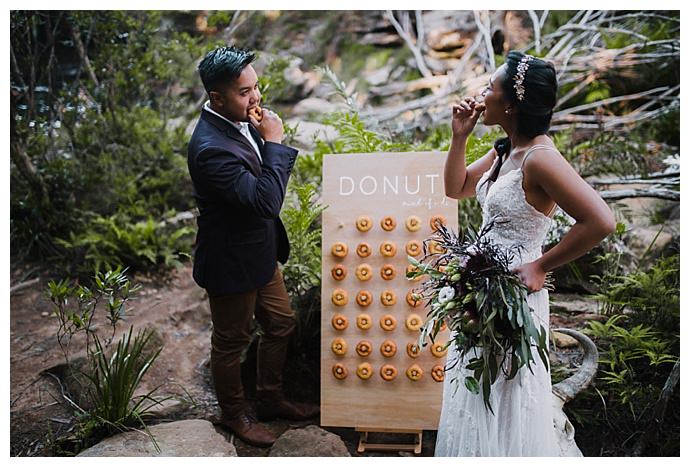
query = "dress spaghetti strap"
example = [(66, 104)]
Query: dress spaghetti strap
[(524, 158)]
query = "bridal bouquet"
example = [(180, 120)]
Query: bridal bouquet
[(471, 288)]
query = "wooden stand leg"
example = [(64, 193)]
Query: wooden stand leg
[(365, 445)]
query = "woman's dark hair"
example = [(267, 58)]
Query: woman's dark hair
[(535, 109), (222, 65)]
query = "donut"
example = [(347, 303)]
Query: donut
[(388, 298), (413, 248), (388, 322), (388, 348), (387, 272), (363, 250), (339, 322), (438, 349), (339, 250), (339, 371), (388, 223), (435, 248), (414, 372), (339, 297), (410, 269), (256, 112), (413, 350), (364, 223), (388, 249), (363, 298), (410, 299), (363, 348), (339, 346), (363, 272), (364, 321), (438, 373), (339, 272), (413, 223), (413, 322), (388, 372), (364, 370), (435, 220)]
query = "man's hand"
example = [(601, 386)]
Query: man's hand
[(270, 127)]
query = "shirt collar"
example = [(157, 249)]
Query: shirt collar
[(238, 125)]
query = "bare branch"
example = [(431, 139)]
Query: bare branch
[(485, 30), (536, 24), (414, 48)]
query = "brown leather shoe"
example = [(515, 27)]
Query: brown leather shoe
[(283, 408), (246, 428)]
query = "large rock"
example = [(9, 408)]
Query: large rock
[(307, 132), (311, 441), (186, 438)]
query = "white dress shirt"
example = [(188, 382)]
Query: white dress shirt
[(242, 127)]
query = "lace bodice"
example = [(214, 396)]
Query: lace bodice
[(516, 222)]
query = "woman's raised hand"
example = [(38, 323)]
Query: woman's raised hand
[(465, 116)]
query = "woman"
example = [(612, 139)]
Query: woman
[(518, 183)]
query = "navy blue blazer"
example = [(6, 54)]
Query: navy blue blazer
[(240, 237)]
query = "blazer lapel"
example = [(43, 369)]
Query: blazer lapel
[(247, 152)]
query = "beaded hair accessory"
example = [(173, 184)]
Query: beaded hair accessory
[(520, 77)]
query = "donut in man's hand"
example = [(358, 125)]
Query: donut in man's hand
[(256, 112)]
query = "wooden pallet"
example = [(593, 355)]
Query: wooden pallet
[(364, 444)]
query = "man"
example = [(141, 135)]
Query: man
[(240, 172)]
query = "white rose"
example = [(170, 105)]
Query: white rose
[(445, 294)]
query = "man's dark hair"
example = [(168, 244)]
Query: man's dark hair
[(222, 65)]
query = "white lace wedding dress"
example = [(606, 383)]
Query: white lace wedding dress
[(522, 422)]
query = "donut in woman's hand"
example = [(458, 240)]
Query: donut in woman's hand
[(256, 112), (388, 223), (388, 348), (413, 223), (339, 250), (363, 298), (339, 371), (364, 223), (364, 370), (339, 297), (388, 372), (438, 373), (414, 372), (363, 348), (339, 322), (339, 272), (339, 346), (363, 250), (388, 249)]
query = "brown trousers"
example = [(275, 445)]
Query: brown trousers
[(232, 319)]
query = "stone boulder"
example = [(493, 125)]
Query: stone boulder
[(311, 441), (185, 438)]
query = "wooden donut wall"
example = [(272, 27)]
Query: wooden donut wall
[(369, 375)]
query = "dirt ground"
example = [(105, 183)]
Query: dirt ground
[(178, 311)]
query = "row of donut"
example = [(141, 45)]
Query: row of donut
[(388, 348), (387, 249), (388, 372), (364, 322), (388, 223), (340, 297)]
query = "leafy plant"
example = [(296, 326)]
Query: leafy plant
[(302, 272), (109, 380)]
